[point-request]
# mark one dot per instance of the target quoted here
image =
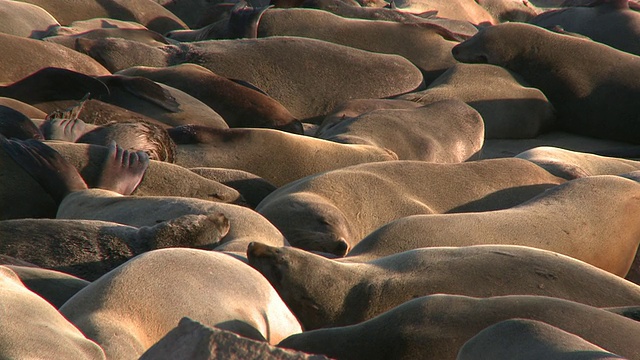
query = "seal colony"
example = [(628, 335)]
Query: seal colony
[(296, 176)]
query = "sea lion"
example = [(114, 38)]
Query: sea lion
[(590, 98), (467, 10), (353, 10), (437, 326), (275, 156), (22, 56), (89, 249), (609, 22), (130, 308), (361, 291), (447, 131), (510, 108), (530, 340), (332, 211), (35, 328), (263, 62), (573, 164), (239, 106), (143, 35), (418, 39), (82, 26), (563, 219), (148, 13), (25, 20)]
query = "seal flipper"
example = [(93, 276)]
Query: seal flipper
[(53, 172), (194, 231), (122, 170), (14, 124), (142, 88), (249, 85)]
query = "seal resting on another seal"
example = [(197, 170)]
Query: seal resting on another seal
[(437, 326), (574, 218), (596, 96), (361, 291), (332, 211)]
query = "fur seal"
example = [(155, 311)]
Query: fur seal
[(568, 219), (263, 62), (466, 10), (332, 211), (589, 97), (35, 328), (609, 22), (89, 249), (447, 131), (21, 57), (530, 340), (275, 156), (28, 110), (437, 326), (148, 13), (25, 20), (361, 291), (510, 108), (130, 308), (239, 106), (573, 164)]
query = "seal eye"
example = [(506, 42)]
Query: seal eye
[(481, 59)]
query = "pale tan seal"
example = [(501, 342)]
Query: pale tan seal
[(509, 106), (35, 329), (25, 20), (332, 211), (276, 156), (361, 291), (447, 131), (573, 164), (132, 307), (590, 219)]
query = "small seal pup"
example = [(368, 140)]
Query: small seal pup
[(332, 211), (35, 329), (595, 96), (361, 291), (130, 308), (437, 326)]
